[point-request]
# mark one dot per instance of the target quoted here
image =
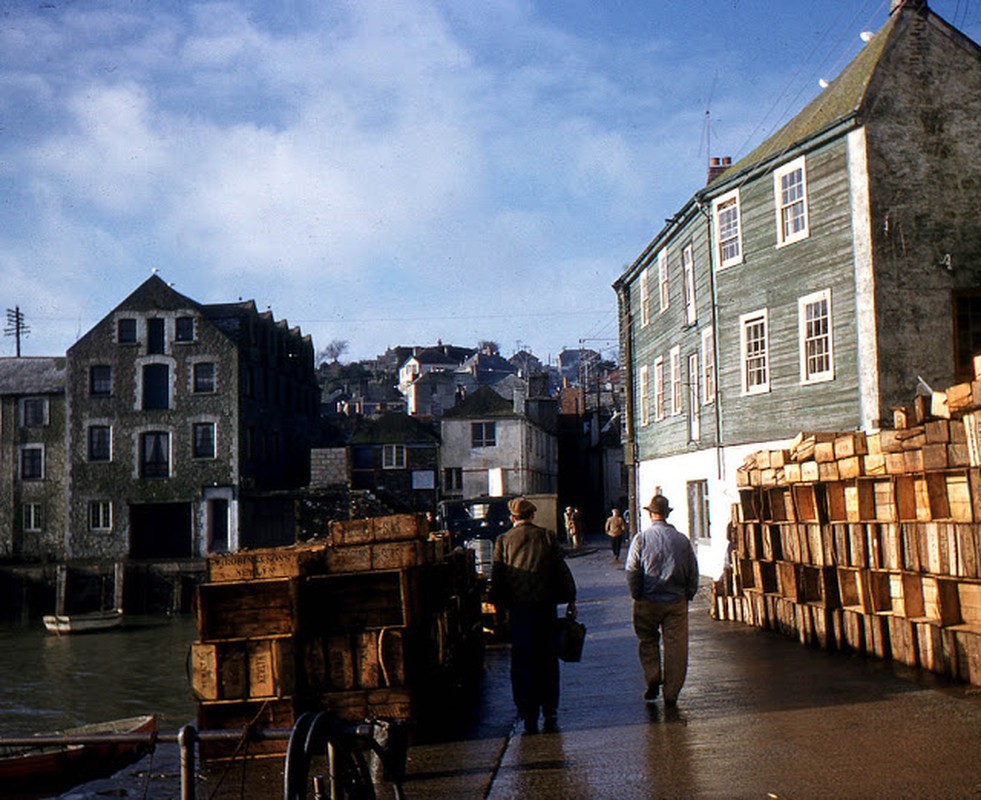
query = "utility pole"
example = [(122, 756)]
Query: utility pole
[(16, 326)]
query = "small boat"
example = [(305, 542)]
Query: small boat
[(84, 623), (89, 621), (63, 759)]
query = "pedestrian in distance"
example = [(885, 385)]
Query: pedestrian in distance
[(529, 578), (662, 575), (615, 527), (571, 531)]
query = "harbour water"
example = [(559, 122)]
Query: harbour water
[(51, 682)]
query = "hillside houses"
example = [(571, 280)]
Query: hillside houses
[(815, 283)]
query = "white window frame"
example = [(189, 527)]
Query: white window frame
[(721, 205), (745, 320), (708, 366), (676, 382), (694, 418), (781, 205), (806, 376), (393, 456), (104, 513), (662, 280), (32, 520), (659, 388), (688, 271), (645, 298), (645, 396)]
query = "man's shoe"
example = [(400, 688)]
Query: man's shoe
[(551, 724), (652, 692), (531, 726)]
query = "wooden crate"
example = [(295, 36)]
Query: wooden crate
[(243, 669), (765, 576), (380, 556), (819, 585), (788, 580), (860, 501), (959, 497), (339, 603), (835, 499), (246, 610), (238, 716), (274, 562), (880, 591), (967, 550), (852, 631), (359, 705), (969, 602), (853, 590), (396, 527), (902, 640), (809, 505)]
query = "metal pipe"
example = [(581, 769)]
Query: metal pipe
[(185, 738)]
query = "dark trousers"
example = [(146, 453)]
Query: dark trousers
[(534, 662), (616, 542)]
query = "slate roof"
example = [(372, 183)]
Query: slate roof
[(483, 402), (394, 428), (32, 375)]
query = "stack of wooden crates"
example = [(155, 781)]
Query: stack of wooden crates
[(368, 622), (868, 543)]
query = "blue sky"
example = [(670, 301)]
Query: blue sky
[(385, 172)]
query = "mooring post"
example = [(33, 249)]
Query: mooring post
[(185, 739)]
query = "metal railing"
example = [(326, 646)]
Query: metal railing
[(357, 754)]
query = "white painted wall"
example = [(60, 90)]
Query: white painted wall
[(673, 473)]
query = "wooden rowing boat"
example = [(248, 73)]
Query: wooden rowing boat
[(84, 623), (67, 758)]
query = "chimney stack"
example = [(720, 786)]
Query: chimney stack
[(717, 166)]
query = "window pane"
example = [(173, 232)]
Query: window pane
[(126, 331), (755, 356), (184, 329), (156, 387), (99, 440), (482, 434), (204, 440), (204, 378), (155, 455), (792, 202), (816, 338), (729, 230), (33, 412), (155, 336), (100, 379), (31, 464)]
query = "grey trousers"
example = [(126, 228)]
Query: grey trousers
[(651, 622)]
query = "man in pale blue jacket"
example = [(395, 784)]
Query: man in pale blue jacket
[(662, 574)]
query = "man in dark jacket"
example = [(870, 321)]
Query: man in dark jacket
[(662, 574), (529, 577)]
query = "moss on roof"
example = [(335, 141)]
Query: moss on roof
[(842, 99)]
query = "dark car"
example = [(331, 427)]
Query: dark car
[(475, 518)]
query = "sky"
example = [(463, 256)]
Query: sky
[(382, 172)]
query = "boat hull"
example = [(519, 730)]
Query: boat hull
[(27, 771), (84, 623)]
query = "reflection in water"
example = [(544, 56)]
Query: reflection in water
[(51, 682)]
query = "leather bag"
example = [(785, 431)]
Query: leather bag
[(570, 635)]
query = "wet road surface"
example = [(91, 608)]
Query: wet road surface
[(760, 716)]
